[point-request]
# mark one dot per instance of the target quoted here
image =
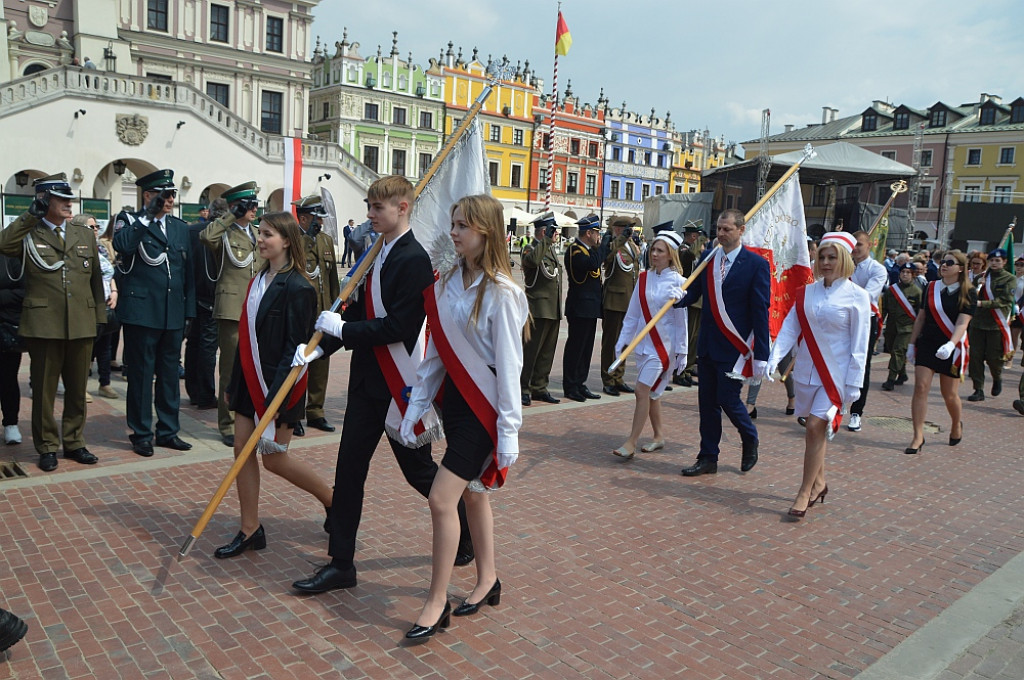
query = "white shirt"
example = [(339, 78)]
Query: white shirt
[(54, 227), (729, 258), (671, 327), (388, 245), (497, 336), (872, 277), (843, 314)]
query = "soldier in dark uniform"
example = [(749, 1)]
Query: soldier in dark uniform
[(322, 267), (201, 343), (899, 322), (620, 258), (64, 308), (157, 295), (694, 243), (582, 308), (542, 277), (232, 239), (989, 332)]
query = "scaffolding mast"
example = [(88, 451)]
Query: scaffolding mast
[(915, 184), (763, 159)]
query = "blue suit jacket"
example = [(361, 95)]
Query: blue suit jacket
[(746, 292)]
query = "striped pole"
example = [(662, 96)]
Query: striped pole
[(551, 136)]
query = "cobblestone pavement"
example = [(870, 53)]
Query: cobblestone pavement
[(611, 568)]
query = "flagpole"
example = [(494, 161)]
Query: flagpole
[(808, 153), (897, 189), (551, 123), (349, 284)]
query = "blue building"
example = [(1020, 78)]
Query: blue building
[(639, 154)]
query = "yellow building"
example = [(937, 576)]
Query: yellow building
[(987, 168), (506, 119)]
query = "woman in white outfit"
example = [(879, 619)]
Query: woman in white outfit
[(663, 350), (831, 321)]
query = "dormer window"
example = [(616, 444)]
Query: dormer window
[(901, 121), (938, 118), (869, 122), (1017, 113), (988, 116)]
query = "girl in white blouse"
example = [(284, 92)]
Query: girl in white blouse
[(831, 321), (477, 316), (661, 351)]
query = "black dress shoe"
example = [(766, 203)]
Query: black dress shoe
[(978, 395), (228, 439), (48, 462), (175, 442), (493, 598), (12, 629), (546, 398), (902, 380), (703, 466), (327, 577), (143, 448), (997, 387), (585, 391), (623, 387), (610, 391), (679, 380), (81, 455), (422, 632), (322, 424), (206, 406), (1018, 406), (238, 545), (889, 385), (753, 413), (526, 400), (463, 557), (575, 396), (802, 420), (668, 388), (298, 430), (749, 459)]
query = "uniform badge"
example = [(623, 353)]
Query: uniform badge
[(85, 263), (406, 393)]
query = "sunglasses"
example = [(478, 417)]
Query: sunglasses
[(950, 263)]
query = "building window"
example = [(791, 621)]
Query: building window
[(517, 137), (542, 178), (398, 162), (546, 141), (988, 116), (1006, 155), (645, 190), (901, 121), (574, 147), (678, 189), (573, 184), (661, 160), (495, 133), (926, 158), (156, 17), (974, 157), (592, 149), (924, 197), (891, 155), (972, 193), (275, 34), (425, 160), (427, 120), (271, 116), (1002, 194), (647, 157), (938, 118), (818, 195), (869, 122), (614, 188), (616, 153), (517, 176), (591, 186), (370, 155), (398, 115), (326, 111), (218, 23), (629, 191), (632, 156), (219, 92), (493, 169), (659, 190), (1017, 114), (370, 111)]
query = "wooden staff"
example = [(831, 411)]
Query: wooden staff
[(351, 282), (897, 189), (808, 153)]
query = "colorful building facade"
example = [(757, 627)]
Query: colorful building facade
[(639, 155)]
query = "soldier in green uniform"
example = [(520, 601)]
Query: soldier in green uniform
[(989, 332), (63, 309), (157, 295), (620, 258), (900, 305), (694, 242), (322, 267), (542, 277), (232, 238)]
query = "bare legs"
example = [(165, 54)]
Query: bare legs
[(919, 405), (951, 396), (813, 482), (645, 408)]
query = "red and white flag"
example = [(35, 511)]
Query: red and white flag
[(292, 172), (778, 233)]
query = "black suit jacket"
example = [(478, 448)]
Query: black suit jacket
[(284, 321), (405, 274)]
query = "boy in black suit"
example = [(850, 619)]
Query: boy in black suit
[(385, 320)]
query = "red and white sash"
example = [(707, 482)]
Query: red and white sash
[(744, 365), (824, 362), (904, 303), (999, 315), (471, 375), (399, 369), (659, 344), (252, 369), (961, 354)]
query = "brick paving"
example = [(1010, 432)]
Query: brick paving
[(611, 568)]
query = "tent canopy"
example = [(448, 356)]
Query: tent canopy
[(842, 162)]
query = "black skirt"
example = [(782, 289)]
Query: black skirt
[(469, 445)]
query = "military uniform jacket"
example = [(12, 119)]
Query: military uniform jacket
[(583, 267), (157, 283), (893, 310), (322, 267), (1002, 284), (621, 272), (68, 302), (542, 276), (233, 275)]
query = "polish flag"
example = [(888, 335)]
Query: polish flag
[(292, 172)]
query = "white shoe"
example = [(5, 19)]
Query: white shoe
[(854, 425), (12, 435)]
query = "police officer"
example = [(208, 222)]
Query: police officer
[(157, 295), (542, 276), (582, 308), (232, 239), (694, 243), (989, 332), (63, 310), (900, 304), (322, 267), (201, 340), (620, 258)]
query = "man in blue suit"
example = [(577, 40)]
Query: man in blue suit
[(736, 289)]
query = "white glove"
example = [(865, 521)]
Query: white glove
[(911, 354), (676, 294), (301, 359), (406, 433), (680, 364), (769, 370), (852, 393), (758, 369), (330, 323), (945, 352)]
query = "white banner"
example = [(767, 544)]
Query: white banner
[(331, 221), (779, 226)]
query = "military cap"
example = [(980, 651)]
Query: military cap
[(998, 252), (664, 226), (55, 185), (310, 205), (620, 221), (589, 222), (544, 221), (242, 191), (908, 265), (692, 227), (161, 179), (637, 222)]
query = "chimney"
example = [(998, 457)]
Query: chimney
[(835, 114), (825, 112), (991, 98), (789, 127)]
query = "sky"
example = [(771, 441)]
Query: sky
[(717, 65)]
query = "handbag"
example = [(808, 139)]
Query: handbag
[(10, 341)]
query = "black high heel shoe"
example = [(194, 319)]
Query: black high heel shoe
[(911, 451), (493, 598), (753, 414), (257, 541), (953, 441), (819, 497), (790, 410), (423, 632)]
